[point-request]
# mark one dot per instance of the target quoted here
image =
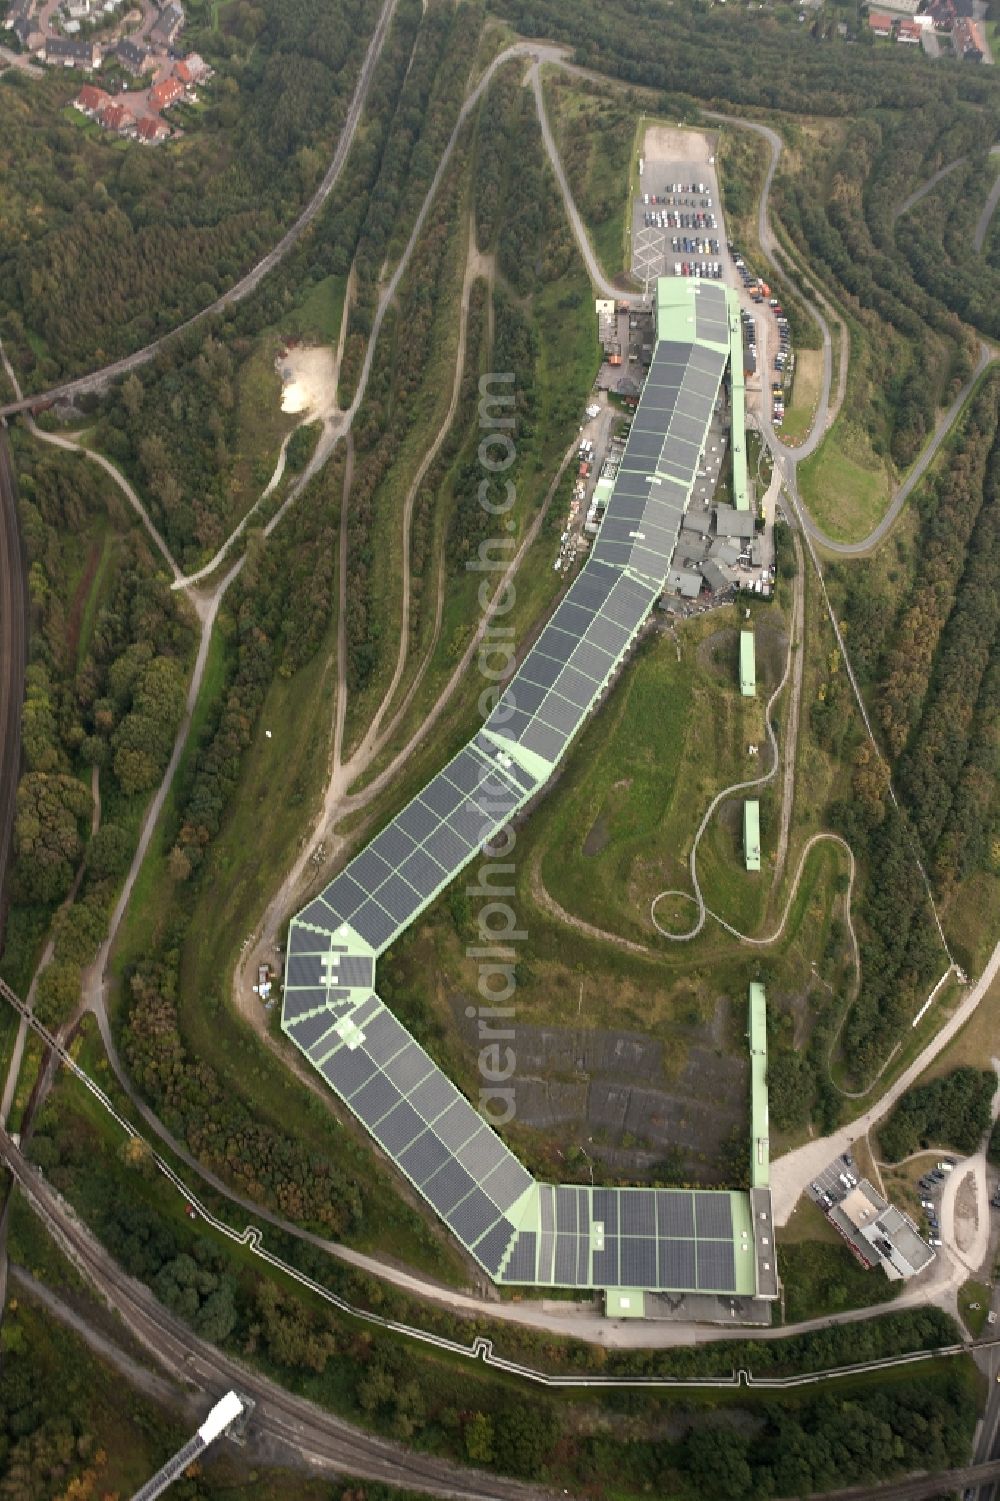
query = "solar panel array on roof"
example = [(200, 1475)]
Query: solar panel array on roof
[(384, 887), (552, 691), (661, 459), (671, 1239), (520, 1231)]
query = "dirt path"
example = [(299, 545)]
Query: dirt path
[(361, 758), (796, 648)]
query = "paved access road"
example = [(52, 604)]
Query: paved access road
[(13, 651), (246, 284), (317, 1437)]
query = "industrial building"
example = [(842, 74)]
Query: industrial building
[(880, 1234), (517, 1229), (751, 833)]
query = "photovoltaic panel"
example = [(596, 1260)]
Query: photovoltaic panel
[(303, 969), (604, 1264), (472, 1217), (311, 1028), (316, 915), (449, 1184), (408, 1067), (441, 795), (716, 1265), (482, 1153), (583, 1261), (447, 848), (521, 1265), (566, 1208), (374, 924), (424, 1157), (401, 1126), (399, 899), (374, 1099), (466, 771), (674, 1214), (494, 1243), (714, 1215), (546, 1248), (547, 1206), (458, 1123), (606, 1209), (638, 1261), (545, 741), (472, 824), (638, 1212), (575, 686), (561, 715), (506, 1183), (422, 873), (555, 644), (385, 1036), (566, 1259), (416, 820), (298, 1003), (593, 662), (368, 870), (677, 1265), (540, 669), (355, 970), (393, 845), (347, 1071), (433, 1095)]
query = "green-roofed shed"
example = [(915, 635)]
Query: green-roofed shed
[(760, 1160), (751, 833), (748, 665), (625, 1303)]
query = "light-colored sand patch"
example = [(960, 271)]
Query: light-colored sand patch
[(665, 143), (966, 1213), (309, 379)]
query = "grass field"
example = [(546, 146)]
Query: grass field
[(806, 386), (845, 486), (973, 1305), (318, 312), (594, 131)]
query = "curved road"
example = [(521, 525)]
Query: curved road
[(13, 653), (256, 274), (983, 222)]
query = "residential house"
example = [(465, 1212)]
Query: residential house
[(134, 58), (193, 69), (152, 131), (117, 117), (879, 24), (91, 99), (67, 52), (163, 95), (168, 26), (908, 32)]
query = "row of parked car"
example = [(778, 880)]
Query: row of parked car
[(700, 247), (675, 199), (710, 270), (929, 1184)]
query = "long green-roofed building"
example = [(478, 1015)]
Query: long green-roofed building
[(518, 1229), (748, 665), (751, 833)]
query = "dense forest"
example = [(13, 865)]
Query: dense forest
[(951, 1111), (109, 652), (101, 250)]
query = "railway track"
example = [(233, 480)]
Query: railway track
[(13, 656)]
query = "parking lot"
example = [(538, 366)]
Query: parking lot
[(684, 227), (829, 1188)]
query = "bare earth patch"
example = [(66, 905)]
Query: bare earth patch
[(309, 380), (966, 1213), (665, 143)]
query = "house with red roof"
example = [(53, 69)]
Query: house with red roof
[(152, 131), (879, 24), (90, 99), (162, 95), (116, 117)]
